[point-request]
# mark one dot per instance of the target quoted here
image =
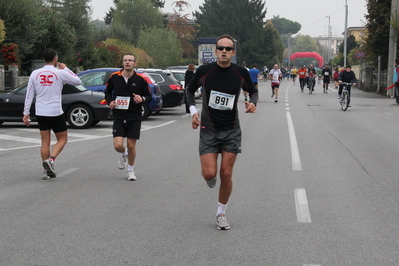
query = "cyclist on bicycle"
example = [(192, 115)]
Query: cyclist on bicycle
[(346, 76), (311, 69), (311, 81)]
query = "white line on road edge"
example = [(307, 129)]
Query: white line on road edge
[(301, 206), (161, 125), (69, 141), (296, 158), (67, 172)]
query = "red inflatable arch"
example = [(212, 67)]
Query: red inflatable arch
[(308, 54)]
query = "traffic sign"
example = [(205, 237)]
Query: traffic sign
[(359, 55)]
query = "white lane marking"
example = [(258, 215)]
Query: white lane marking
[(389, 114), (296, 158), (311, 265), (67, 172), (20, 139), (38, 141), (301, 206), (160, 125)]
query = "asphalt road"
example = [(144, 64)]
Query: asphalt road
[(313, 186)]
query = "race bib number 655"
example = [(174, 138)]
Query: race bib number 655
[(122, 102), (221, 101)]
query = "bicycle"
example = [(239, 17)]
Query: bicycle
[(311, 83), (345, 96)]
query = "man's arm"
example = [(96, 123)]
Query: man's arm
[(68, 76), (108, 92), (190, 98), (146, 93)]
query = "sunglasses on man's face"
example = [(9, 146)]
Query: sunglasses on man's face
[(227, 48)]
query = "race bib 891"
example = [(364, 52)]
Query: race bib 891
[(221, 101)]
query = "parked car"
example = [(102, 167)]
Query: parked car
[(82, 108), (96, 79), (179, 75), (171, 88)]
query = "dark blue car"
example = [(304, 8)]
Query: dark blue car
[(95, 80)]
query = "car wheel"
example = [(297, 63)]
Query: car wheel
[(1, 122), (144, 111), (95, 122), (80, 116)]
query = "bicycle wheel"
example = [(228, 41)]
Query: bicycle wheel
[(310, 87), (344, 101)]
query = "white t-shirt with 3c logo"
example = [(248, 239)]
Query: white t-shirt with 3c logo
[(45, 84)]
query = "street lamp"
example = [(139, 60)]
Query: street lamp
[(329, 41), (346, 31)]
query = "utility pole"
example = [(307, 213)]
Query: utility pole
[(346, 31), (329, 41), (392, 45)]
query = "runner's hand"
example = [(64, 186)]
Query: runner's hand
[(195, 121), (26, 120), (137, 98), (112, 105), (250, 108)]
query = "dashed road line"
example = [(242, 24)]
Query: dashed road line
[(296, 158), (301, 206)]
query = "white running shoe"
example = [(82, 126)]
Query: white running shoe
[(122, 162), (45, 175), (211, 183), (221, 222), (130, 176), (49, 166)]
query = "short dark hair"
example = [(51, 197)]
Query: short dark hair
[(129, 54), (349, 66), (49, 55), (255, 65), (397, 61), (225, 36)]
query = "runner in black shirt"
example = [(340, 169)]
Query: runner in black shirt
[(220, 128), (125, 93)]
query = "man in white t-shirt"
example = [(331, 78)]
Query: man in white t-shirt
[(275, 77), (45, 84)]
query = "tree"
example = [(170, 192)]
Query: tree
[(76, 14), (185, 33), (285, 26), (304, 43), (145, 16), (351, 44), (162, 45), (109, 16), (2, 31), (243, 20), (377, 38), (273, 51), (23, 22)]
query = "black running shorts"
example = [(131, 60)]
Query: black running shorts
[(215, 142), (126, 128), (55, 123)]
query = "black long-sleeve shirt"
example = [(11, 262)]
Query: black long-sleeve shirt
[(117, 86), (221, 88), (347, 77)]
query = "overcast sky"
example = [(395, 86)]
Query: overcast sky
[(312, 17)]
